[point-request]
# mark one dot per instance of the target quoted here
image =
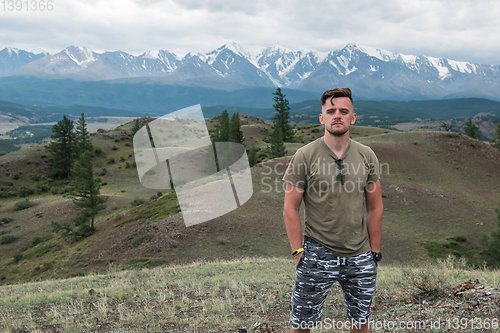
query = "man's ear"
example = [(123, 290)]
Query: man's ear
[(353, 119), (321, 118)]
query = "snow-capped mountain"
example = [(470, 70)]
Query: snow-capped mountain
[(377, 69), (373, 72), (12, 59)]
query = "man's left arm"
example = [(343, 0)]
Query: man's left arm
[(374, 212)]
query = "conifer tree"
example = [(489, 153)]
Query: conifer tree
[(277, 147), (222, 129), (63, 146), (235, 132), (495, 142), (493, 246), (471, 129), (82, 136), (86, 187), (446, 126), (282, 116), (136, 127), (252, 156), (221, 132)]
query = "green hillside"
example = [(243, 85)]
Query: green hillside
[(436, 186), (440, 191)]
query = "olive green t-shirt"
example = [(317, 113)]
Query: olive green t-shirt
[(334, 212)]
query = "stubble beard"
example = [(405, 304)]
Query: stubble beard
[(338, 133)]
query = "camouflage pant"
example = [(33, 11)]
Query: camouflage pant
[(317, 270)]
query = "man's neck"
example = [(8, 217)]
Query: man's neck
[(337, 143)]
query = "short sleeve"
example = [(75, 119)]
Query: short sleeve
[(297, 170), (373, 168)]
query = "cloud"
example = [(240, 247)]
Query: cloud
[(460, 30)]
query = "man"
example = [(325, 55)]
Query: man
[(335, 177)]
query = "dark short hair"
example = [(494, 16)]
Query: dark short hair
[(337, 92)]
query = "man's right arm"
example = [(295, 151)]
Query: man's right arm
[(293, 199)]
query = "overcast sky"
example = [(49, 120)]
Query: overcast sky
[(464, 30)]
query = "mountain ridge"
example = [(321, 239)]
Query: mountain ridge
[(370, 71)]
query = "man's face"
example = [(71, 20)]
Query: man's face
[(337, 115)]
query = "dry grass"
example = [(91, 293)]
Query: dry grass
[(221, 297)]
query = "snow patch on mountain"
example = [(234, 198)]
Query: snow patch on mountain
[(153, 54), (11, 50)]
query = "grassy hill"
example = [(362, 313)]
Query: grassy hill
[(437, 187), (439, 190)]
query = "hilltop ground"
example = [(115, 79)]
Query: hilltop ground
[(439, 190)]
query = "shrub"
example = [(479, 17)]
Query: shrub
[(103, 172), (20, 205), (460, 238), (7, 239), (137, 202), (36, 240), (43, 187), (139, 240), (66, 189), (428, 280), (122, 158), (98, 150), (17, 256), (127, 165), (117, 140), (6, 220), (25, 191), (111, 160), (114, 148), (16, 176), (83, 230)]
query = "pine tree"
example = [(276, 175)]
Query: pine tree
[(495, 142), (235, 132), (446, 126), (86, 187), (222, 129), (136, 127), (493, 246), (252, 156), (63, 146), (282, 116), (277, 147), (82, 136), (471, 129)]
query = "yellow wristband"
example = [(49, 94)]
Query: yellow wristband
[(294, 253)]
